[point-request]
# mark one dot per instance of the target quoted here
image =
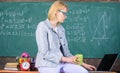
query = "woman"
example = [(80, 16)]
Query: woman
[(53, 54)]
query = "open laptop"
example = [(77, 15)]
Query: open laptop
[(107, 62)]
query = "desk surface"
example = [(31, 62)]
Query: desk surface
[(11, 71), (101, 72)]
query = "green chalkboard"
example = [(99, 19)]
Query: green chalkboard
[(92, 28)]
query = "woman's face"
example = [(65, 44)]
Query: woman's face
[(61, 15)]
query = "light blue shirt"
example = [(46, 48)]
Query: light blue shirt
[(48, 42)]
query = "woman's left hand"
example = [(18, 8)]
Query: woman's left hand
[(89, 67)]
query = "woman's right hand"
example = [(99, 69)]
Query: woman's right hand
[(69, 59)]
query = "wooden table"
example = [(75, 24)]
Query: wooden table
[(11, 71)]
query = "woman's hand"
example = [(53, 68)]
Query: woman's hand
[(69, 59), (72, 60), (89, 67)]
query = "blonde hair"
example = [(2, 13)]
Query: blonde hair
[(57, 5)]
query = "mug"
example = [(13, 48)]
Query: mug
[(79, 59)]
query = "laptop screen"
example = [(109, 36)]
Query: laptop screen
[(107, 62)]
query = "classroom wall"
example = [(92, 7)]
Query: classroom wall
[(93, 61)]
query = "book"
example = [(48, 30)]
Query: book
[(11, 66)]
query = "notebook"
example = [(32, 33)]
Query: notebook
[(107, 62)]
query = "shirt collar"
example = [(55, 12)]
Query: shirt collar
[(50, 25)]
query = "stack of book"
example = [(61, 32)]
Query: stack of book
[(11, 66)]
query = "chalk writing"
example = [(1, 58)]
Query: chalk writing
[(16, 33), (11, 13), (100, 30), (13, 23), (77, 23)]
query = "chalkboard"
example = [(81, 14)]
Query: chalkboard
[(92, 28)]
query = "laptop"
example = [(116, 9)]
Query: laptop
[(107, 62)]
